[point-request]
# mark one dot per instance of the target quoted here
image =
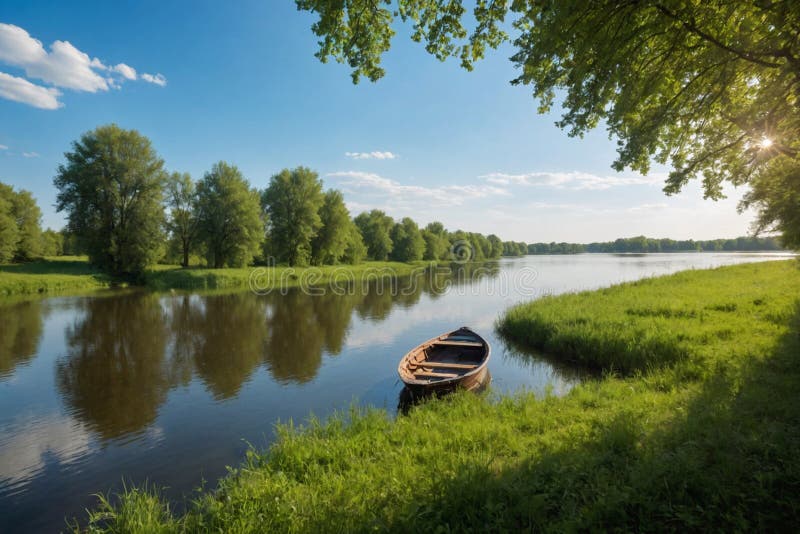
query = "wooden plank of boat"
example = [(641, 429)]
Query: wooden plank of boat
[(458, 343), (447, 365), (434, 374), (449, 337), (438, 364)]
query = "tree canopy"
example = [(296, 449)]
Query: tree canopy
[(228, 217), (437, 244), (496, 245), (355, 250), (293, 200), (21, 235), (52, 243), (9, 233), (120, 200), (376, 227), (28, 218), (334, 235), (408, 242), (710, 88), (112, 190)]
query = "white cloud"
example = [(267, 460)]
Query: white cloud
[(157, 79), (560, 217), (18, 47), (371, 155), (31, 445), (30, 154), (549, 218), (575, 209), (64, 66), (127, 71), (357, 207), (3, 147), (570, 180), (399, 194), (548, 214), (551, 206), (21, 90), (649, 207)]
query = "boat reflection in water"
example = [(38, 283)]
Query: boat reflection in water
[(410, 398)]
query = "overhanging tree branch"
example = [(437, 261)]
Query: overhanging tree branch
[(693, 28)]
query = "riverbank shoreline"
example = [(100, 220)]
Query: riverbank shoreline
[(74, 275), (64, 276), (61, 275), (692, 425)]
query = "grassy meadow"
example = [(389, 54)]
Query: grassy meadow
[(71, 274), (692, 317), (51, 275), (694, 425), (167, 277)]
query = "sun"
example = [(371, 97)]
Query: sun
[(766, 142)]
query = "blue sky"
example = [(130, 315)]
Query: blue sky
[(238, 81)]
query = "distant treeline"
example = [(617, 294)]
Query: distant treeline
[(648, 244), (127, 212)]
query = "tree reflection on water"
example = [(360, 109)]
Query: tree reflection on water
[(19, 336), (126, 352), (114, 373)]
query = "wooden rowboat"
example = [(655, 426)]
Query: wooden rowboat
[(455, 359)]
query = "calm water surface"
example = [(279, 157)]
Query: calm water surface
[(170, 389)]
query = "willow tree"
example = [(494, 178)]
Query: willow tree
[(709, 88), (111, 187)]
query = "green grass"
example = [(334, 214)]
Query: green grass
[(51, 275), (648, 323), (700, 429), (73, 274), (166, 277)]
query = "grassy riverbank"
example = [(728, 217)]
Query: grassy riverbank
[(699, 429), (68, 274), (652, 323), (166, 277), (61, 274)]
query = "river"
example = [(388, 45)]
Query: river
[(172, 388)]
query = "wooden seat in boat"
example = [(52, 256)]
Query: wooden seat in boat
[(458, 343), (447, 365), (434, 374)]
